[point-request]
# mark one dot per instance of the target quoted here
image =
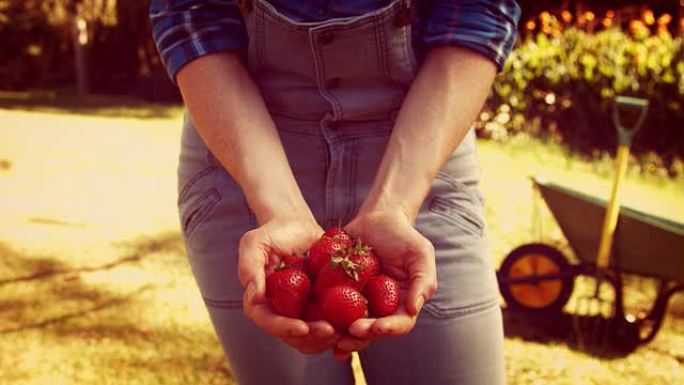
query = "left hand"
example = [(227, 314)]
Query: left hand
[(408, 257), (260, 251)]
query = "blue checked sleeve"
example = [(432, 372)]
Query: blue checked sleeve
[(184, 30), (486, 26)]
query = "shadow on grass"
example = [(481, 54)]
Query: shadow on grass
[(43, 268), (592, 335), (52, 292), (84, 318), (69, 102), (100, 305)]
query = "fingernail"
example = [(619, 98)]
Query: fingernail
[(249, 292), (419, 303)]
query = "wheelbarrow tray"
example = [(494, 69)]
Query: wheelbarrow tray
[(643, 244)]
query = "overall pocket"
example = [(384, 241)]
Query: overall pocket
[(452, 218), (457, 203), (197, 198)]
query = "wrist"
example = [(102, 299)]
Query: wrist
[(282, 212), (279, 206), (385, 205), (400, 195)]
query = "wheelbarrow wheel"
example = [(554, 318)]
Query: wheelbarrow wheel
[(541, 296)]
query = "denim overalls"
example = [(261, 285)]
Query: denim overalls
[(334, 89)]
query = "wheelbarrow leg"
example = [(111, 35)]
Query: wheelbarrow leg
[(624, 333), (654, 320)]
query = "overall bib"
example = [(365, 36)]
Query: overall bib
[(334, 89)]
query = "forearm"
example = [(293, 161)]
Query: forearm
[(440, 107), (232, 119)]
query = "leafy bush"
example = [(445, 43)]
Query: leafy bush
[(562, 88)]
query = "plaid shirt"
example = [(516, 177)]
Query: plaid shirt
[(187, 29)]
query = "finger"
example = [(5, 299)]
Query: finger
[(262, 315), (340, 355), (278, 325), (313, 350), (310, 340), (362, 328), (251, 263), (397, 324), (423, 286), (322, 330), (306, 346), (351, 344), (417, 294)]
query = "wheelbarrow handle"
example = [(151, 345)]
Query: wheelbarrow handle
[(621, 103)]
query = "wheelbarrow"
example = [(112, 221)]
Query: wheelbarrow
[(538, 279)]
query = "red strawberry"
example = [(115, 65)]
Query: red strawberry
[(339, 271), (294, 261), (368, 263), (383, 295), (312, 312), (342, 305), (341, 236), (321, 252), (288, 291)]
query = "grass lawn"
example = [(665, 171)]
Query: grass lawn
[(95, 288)]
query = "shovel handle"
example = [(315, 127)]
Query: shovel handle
[(625, 133), (612, 210)]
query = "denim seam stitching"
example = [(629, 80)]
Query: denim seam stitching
[(193, 179), (474, 224), (351, 177), (459, 311), (342, 137), (459, 186), (205, 206), (223, 304)]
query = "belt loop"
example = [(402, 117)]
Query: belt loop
[(244, 5), (404, 15)]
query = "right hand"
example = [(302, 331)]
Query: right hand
[(259, 252)]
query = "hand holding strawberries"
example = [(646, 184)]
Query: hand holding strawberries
[(406, 256), (323, 301), (260, 251)]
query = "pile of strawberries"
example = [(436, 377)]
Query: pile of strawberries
[(339, 282)]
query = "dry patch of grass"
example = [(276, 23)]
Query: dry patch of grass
[(95, 288)]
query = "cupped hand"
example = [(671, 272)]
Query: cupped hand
[(408, 257), (260, 251)]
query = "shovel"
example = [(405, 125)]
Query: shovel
[(594, 312)]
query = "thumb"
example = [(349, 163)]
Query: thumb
[(255, 285), (419, 292), (251, 270), (423, 286)]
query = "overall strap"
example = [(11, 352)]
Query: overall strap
[(245, 6), (405, 15)]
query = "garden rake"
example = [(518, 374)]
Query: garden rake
[(593, 315)]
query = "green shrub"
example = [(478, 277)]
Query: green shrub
[(562, 89)]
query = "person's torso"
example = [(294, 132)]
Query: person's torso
[(348, 68)]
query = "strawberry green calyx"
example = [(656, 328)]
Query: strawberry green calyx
[(360, 248), (350, 268)]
